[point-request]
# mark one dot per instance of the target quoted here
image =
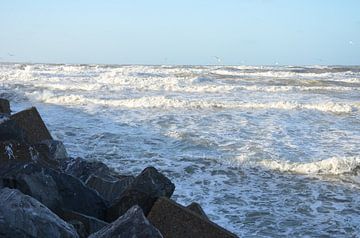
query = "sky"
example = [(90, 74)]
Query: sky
[(185, 32)]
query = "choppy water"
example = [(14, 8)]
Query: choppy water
[(267, 151)]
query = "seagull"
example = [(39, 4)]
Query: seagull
[(218, 59)]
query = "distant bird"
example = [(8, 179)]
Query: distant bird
[(218, 59), (351, 42), (11, 55)]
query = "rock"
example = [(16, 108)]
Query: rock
[(30, 121), (23, 216), (54, 189), (52, 150), (14, 151), (132, 224), (109, 189), (90, 224), (144, 191), (9, 130), (79, 227), (195, 207), (82, 169), (174, 220), (4, 106)]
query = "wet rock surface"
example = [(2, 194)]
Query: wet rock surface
[(24, 216), (146, 188), (174, 220)]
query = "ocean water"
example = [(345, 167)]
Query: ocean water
[(267, 151)]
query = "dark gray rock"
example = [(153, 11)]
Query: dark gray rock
[(4, 106), (132, 224), (54, 189), (52, 150), (144, 191), (195, 207), (83, 169), (109, 189), (23, 216), (31, 122), (89, 224), (79, 227), (9, 130), (176, 221), (15, 151)]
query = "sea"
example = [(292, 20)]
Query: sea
[(268, 151)]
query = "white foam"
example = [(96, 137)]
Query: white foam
[(331, 166)]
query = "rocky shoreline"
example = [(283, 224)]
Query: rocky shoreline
[(46, 193)]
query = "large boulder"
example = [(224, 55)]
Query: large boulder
[(22, 216), (144, 191), (176, 221), (4, 106), (54, 189), (109, 188), (132, 224), (83, 169), (30, 121)]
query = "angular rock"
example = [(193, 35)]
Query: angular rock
[(109, 189), (52, 150), (89, 224), (132, 224), (195, 207), (30, 120), (144, 191), (175, 221), (82, 169), (23, 216), (9, 130), (54, 189), (4, 106)]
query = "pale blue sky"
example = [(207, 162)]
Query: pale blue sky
[(253, 32)]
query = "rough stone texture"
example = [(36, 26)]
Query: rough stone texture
[(30, 120), (23, 216), (79, 227), (109, 189), (176, 221), (54, 189), (195, 207), (132, 224), (9, 130), (90, 224), (14, 151), (52, 150), (82, 169), (144, 191), (4, 106)]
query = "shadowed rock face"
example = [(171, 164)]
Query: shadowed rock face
[(23, 216), (109, 189), (195, 207), (176, 221), (9, 130), (85, 225), (4, 106), (54, 189), (144, 191), (30, 121), (132, 224)]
